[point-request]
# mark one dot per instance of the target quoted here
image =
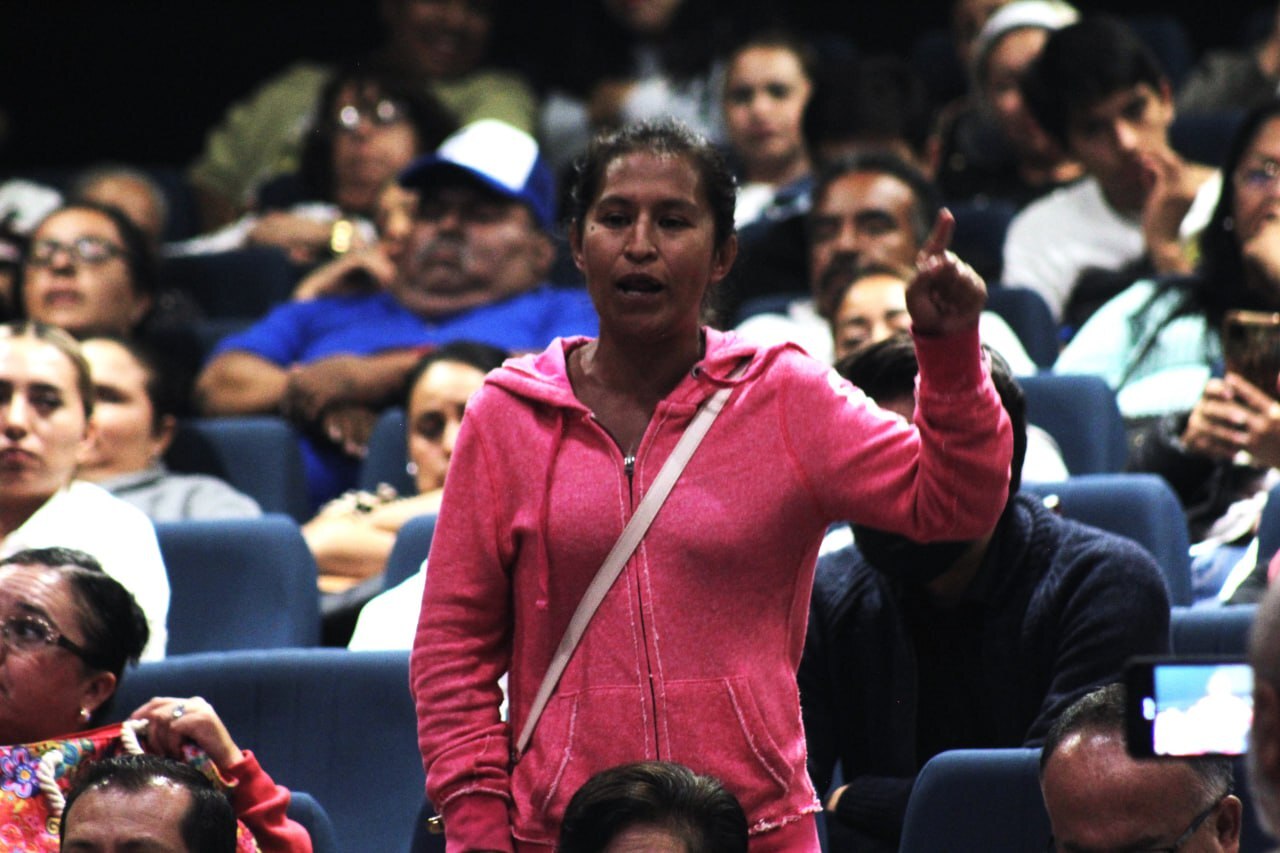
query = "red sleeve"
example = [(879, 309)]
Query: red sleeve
[(261, 804)]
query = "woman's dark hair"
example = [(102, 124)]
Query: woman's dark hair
[(139, 257), (657, 794), (663, 139), (431, 121), (114, 626), (208, 825), (482, 357), (166, 385)]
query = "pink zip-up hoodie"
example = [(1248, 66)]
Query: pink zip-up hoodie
[(692, 655)]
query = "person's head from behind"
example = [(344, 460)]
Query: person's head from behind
[(486, 202), (439, 387), (46, 400), (1234, 273), (651, 225), (437, 39), (131, 191), (369, 126), (871, 308), (867, 209), (90, 270), (768, 81), (138, 398), (869, 104), (1009, 42), (1100, 798), (886, 372), (146, 802), (1098, 90), (653, 806), (67, 631)]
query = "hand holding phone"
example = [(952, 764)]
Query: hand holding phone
[(1185, 707)]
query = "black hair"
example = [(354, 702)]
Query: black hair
[(1083, 64), (114, 626), (665, 139), (1103, 711), (432, 122), (872, 100), (165, 385), (661, 794), (209, 823), (65, 344), (482, 357), (888, 368), (926, 200)]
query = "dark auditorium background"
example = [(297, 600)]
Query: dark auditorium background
[(142, 80)]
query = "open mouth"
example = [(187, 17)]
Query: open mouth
[(639, 285)]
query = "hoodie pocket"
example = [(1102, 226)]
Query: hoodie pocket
[(716, 726), (578, 735)]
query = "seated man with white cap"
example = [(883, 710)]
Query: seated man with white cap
[(473, 268)]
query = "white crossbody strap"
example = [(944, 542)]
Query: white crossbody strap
[(618, 556)]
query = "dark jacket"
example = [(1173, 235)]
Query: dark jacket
[(1057, 609)]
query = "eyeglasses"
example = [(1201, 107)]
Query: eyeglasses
[(381, 114), (85, 250), (1261, 176), (26, 634), (1181, 840)]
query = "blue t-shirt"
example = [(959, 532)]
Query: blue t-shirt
[(302, 332)]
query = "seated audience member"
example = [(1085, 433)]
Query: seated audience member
[(439, 46), (473, 269), (913, 649), (989, 145), (1233, 78), (1264, 737), (653, 806), (352, 536), (131, 191), (145, 802), (1098, 91), (767, 85), (138, 399), (46, 404), (1159, 342), (368, 127), (868, 211), (68, 632), (1100, 798)]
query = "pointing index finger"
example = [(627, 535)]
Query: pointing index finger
[(940, 237)]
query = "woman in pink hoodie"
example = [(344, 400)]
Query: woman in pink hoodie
[(691, 656)]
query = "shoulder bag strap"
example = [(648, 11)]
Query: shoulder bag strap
[(618, 556)]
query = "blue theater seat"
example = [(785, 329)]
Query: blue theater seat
[(1080, 413)]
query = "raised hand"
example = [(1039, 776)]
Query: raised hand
[(946, 295)]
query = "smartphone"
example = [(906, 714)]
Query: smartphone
[(1188, 706), (1251, 347)]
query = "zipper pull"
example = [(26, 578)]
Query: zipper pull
[(629, 465)]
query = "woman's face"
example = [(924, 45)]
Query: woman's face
[(439, 39), (765, 92), (43, 690), (873, 309), (77, 277), (123, 438), (1005, 66), (436, 405), (373, 140), (43, 426), (1257, 184), (647, 248)]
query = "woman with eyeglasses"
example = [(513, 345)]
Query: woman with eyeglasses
[(46, 408), (353, 535), (1159, 345), (67, 631), (368, 126)]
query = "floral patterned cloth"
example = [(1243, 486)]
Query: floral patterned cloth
[(28, 824)]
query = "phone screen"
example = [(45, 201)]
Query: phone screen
[(1181, 708)]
